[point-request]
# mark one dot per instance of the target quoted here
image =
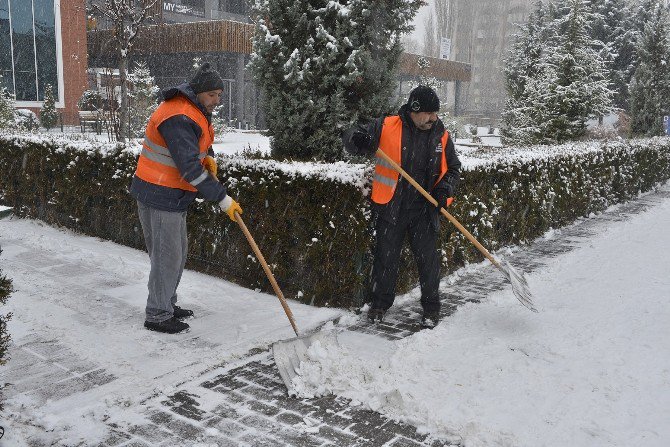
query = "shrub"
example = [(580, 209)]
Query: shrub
[(7, 111), (27, 120), (90, 100), (312, 220), (48, 114)]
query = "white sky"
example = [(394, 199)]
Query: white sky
[(421, 16)]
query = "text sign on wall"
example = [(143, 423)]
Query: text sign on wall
[(445, 48), (666, 124), (184, 9)]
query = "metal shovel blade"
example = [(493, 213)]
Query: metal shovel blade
[(519, 285), (288, 354)]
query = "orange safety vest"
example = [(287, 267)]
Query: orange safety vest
[(390, 142), (155, 164)]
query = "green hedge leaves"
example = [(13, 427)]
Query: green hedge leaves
[(312, 221)]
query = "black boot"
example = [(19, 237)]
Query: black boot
[(430, 319), (180, 313), (170, 326), (376, 314)]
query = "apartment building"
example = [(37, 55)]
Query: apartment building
[(481, 33)]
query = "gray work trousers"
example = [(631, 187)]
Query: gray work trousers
[(167, 245)]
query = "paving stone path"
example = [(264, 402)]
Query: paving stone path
[(253, 408)]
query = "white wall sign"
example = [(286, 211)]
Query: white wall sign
[(445, 48), (183, 9)]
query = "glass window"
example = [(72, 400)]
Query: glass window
[(28, 48), (45, 45), (23, 43), (5, 48)]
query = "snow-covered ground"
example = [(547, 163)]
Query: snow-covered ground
[(592, 368), (237, 141), (87, 296)]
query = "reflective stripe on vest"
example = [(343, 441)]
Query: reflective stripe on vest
[(155, 164), (385, 178)]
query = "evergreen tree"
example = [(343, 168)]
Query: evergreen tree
[(522, 69), (323, 65), (143, 98), (219, 122), (555, 76), (650, 88), (7, 111), (614, 27), (424, 78), (576, 79), (48, 113)]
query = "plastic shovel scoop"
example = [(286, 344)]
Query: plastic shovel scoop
[(289, 354)]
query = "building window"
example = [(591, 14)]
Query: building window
[(28, 48)]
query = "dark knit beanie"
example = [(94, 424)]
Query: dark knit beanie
[(206, 79), (423, 99)]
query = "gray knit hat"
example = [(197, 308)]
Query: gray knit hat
[(206, 79)]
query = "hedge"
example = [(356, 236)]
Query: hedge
[(312, 221)]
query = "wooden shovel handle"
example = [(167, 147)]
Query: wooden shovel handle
[(444, 212), (268, 273), (266, 268)]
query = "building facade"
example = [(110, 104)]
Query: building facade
[(180, 11), (169, 52), (481, 33), (36, 50)]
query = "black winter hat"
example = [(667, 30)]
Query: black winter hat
[(206, 79), (423, 99)]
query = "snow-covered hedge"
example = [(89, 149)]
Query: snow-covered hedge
[(312, 220)]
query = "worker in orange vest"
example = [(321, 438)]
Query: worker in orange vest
[(176, 165), (416, 139)]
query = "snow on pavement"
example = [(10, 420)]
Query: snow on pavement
[(86, 297), (590, 369)]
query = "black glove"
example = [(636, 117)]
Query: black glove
[(442, 193), (362, 141)]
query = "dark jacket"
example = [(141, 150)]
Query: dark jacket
[(181, 135), (416, 149)]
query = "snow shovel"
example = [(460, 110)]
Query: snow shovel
[(288, 354), (518, 281)]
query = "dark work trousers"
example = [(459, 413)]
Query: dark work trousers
[(415, 224)]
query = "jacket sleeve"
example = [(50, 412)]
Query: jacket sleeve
[(453, 175), (181, 134), (373, 128)]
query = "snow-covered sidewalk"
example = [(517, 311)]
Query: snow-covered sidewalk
[(591, 369), (83, 298)]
